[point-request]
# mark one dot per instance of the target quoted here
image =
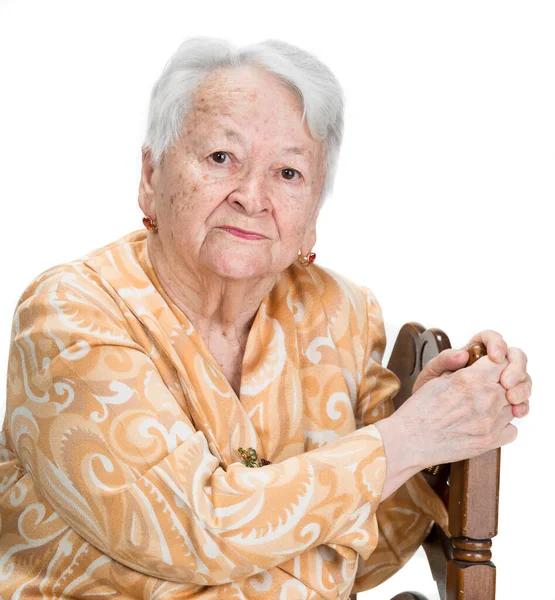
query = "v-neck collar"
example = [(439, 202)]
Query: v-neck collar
[(270, 412), (251, 345)]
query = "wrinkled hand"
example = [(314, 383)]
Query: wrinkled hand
[(514, 378), (456, 416)]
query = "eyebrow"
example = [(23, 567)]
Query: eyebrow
[(230, 134), (234, 135)]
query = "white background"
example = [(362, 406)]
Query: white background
[(443, 201)]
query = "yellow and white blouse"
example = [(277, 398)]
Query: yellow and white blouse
[(120, 475)]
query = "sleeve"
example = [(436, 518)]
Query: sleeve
[(110, 448), (406, 517)]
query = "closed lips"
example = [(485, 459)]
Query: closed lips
[(241, 232)]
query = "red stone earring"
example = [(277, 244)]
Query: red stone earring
[(308, 259), (148, 223)]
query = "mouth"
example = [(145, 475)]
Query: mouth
[(242, 233)]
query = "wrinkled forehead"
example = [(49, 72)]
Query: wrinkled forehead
[(248, 96)]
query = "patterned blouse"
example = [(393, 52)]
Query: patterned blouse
[(120, 470)]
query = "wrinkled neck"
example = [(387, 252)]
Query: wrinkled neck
[(214, 304)]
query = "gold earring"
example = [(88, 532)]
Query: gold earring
[(149, 224), (306, 260)]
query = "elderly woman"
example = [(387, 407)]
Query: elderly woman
[(197, 409)]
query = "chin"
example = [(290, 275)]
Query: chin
[(240, 266)]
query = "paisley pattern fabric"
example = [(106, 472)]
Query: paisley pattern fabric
[(120, 474)]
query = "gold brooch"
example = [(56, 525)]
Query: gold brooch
[(251, 460)]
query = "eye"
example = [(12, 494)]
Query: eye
[(219, 156), (290, 173)]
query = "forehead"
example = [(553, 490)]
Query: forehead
[(248, 96)]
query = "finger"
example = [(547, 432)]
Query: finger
[(516, 371), (487, 369), (502, 429), (445, 363), (508, 435), (450, 359), (494, 342), (519, 393), (521, 410)]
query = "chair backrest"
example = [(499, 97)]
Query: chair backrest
[(461, 563)]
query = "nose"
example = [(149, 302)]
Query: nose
[(250, 195)]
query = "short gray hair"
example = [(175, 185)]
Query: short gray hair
[(316, 86)]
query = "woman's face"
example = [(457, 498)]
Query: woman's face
[(243, 160)]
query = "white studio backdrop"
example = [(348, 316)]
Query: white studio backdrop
[(442, 203)]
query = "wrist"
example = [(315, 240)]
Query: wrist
[(400, 456)]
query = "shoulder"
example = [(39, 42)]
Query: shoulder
[(350, 309), (337, 290), (68, 310), (81, 273)]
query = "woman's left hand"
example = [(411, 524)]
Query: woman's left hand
[(514, 378)]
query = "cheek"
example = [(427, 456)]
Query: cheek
[(183, 193), (188, 200), (292, 221)]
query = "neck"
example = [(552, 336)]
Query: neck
[(214, 304)]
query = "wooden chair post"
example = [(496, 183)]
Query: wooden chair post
[(460, 564), (473, 514)]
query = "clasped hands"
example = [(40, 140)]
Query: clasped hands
[(456, 413), (513, 377)]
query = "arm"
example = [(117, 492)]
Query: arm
[(109, 447), (408, 506)]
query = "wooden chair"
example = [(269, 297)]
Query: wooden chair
[(461, 564)]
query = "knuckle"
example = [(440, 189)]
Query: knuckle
[(520, 353), (513, 395), (491, 332), (508, 377)]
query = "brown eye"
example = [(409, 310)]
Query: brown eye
[(289, 173), (219, 156)]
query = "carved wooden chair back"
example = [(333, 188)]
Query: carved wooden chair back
[(461, 563)]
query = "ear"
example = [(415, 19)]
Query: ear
[(146, 185)]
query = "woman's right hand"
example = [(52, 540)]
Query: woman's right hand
[(452, 417)]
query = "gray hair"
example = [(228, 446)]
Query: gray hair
[(316, 86)]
